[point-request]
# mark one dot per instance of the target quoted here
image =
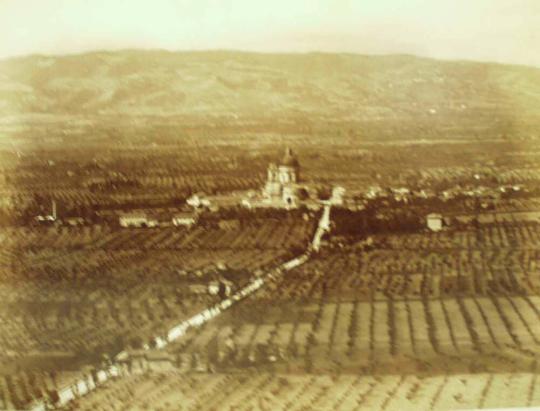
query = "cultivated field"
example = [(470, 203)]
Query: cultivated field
[(71, 295), (318, 338), (496, 258), (168, 391)]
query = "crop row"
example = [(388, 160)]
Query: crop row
[(269, 234), (265, 391), (515, 235)]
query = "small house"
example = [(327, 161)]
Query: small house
[(137, 220), (198, 200), (185, 219), (434, 222)]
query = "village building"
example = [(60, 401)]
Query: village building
[(215, 202), (137, 220), (374, 192), (338, 194), (198, 200), (434, 222), (401, 194), (185, 219)]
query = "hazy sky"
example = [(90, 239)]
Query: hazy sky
[(495, 30)]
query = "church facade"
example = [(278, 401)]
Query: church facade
[(282, 186)]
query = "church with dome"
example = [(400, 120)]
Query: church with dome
[(283, 186), (283, 189)]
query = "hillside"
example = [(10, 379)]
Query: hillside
[(249, 88)]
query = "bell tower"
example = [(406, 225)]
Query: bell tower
[(289, 168)]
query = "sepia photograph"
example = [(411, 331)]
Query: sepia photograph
[(286, 205)]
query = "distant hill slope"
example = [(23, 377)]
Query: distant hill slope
[(244, 86)]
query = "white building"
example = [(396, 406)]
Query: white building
[(337, 195), (185, 219), (434, 222), (137, 220), (198, 200)]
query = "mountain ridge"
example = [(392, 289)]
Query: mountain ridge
[(244, 86)]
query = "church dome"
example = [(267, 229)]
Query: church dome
[(289, 159)]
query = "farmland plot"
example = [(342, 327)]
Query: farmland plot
[(262, 391)]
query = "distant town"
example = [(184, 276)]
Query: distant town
[(480, 200)]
